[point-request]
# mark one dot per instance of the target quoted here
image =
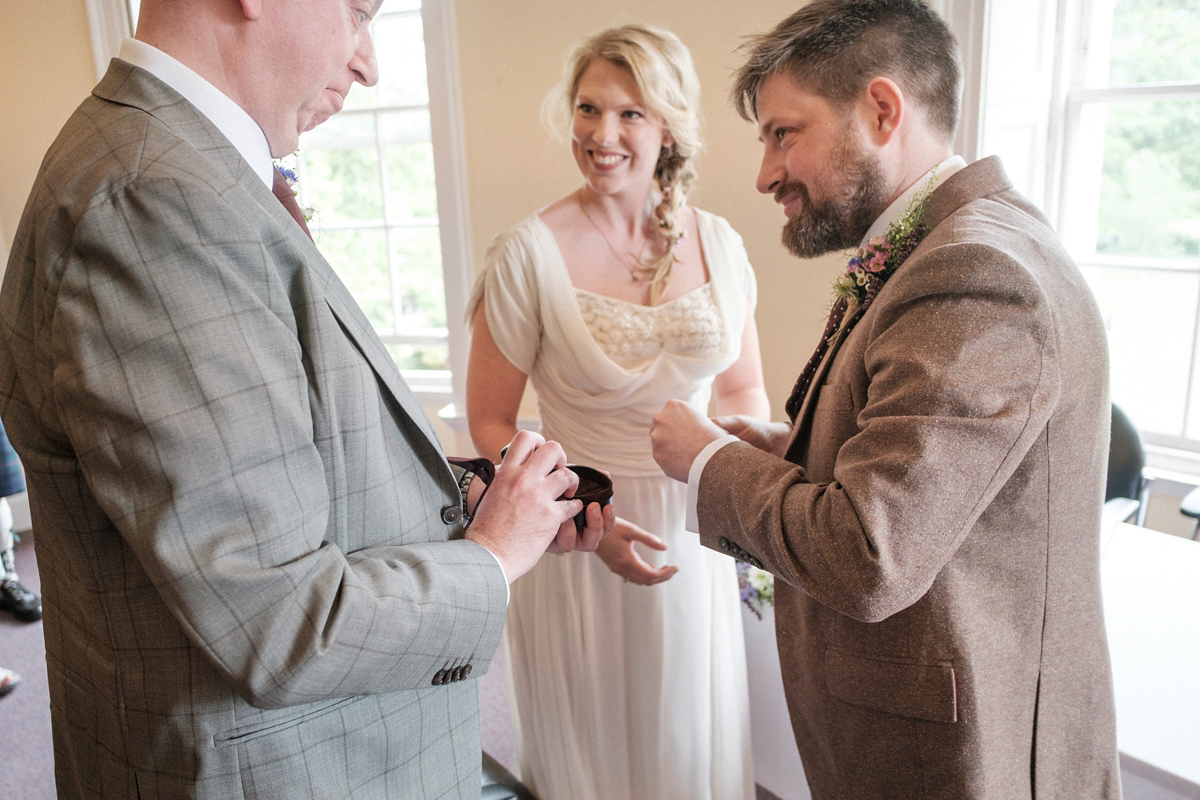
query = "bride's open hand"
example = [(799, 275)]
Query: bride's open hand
[(618, 554)]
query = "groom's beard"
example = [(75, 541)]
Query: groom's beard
[(854, 198)]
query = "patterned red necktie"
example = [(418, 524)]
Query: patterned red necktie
[(796, 399), (283, 193)]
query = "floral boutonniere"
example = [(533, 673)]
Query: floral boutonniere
[(872, 265), (756, 587), (293, 182)]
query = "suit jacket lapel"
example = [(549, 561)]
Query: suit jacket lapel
[(360, 331), (132, 86)]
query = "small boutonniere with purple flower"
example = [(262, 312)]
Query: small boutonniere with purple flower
[(867, 271), (756, 587), (293, 182)]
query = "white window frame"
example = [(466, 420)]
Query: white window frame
[(1079, 32), (1055, 94), (967, 19), (450, 173), (110, 22)]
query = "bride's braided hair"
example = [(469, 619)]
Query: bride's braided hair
[(663, 70)]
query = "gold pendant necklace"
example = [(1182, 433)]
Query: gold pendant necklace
[(637, 270)]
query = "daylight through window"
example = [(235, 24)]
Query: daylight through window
[(1130, 210), (367, 175)]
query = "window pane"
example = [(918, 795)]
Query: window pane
[(368, 176), (1150, 190), (339, 174), (1154, 41), (421, 356), (400, 53), (1150, 316), (421, 296), (360, 259), (408, 166)]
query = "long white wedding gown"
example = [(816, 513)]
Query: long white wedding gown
[(624, 692)]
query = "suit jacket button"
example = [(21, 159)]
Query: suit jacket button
[(724, 543), (451, 514), (439, 678), (466, 671)]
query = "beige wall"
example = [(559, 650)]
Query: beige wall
[(511, 53), (45, 71)]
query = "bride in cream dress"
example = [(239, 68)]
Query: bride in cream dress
[(628, 670)]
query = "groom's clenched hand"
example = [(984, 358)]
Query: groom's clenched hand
[(678, 433), (769, 436)]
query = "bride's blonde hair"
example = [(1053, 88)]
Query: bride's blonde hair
[(665, 75)]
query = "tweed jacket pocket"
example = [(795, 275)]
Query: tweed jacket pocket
[(279, 722), (892, 685), (835, 397)]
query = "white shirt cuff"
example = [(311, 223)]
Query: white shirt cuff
[(507, 588), (692, 523)]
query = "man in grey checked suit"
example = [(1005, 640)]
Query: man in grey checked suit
[(255, 573), (932, 513)]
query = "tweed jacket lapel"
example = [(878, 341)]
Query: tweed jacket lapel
[(132, 86), (983, 178)]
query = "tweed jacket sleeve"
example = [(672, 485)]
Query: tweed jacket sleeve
[(917, 422)]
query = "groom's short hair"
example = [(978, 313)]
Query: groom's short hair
[(834, 48)]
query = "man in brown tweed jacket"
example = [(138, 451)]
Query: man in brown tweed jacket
[(932, 513), (256, 576)]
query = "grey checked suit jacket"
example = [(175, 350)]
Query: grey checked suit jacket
[(248, 536), (935, 526)]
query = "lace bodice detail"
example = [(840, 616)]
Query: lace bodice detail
[(631, 334)]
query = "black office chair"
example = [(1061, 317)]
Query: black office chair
[(1127, 492), (500, 784), (1190, 507)]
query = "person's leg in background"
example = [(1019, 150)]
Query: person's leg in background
[(14, 597)]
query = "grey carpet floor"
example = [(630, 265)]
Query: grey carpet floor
[(28, 769)]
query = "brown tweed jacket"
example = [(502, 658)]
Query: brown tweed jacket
[(934, 528), (249, 540)]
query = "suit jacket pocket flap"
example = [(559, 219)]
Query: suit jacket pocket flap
[(893, 686), (281, 721)]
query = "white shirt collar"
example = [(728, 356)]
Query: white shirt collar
[(929, 180), (229, 118)]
